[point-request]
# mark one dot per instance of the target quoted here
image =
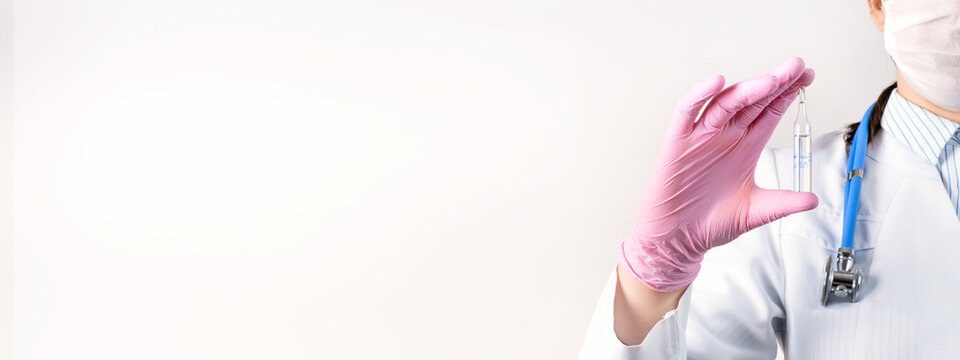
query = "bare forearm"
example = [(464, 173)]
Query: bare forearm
[(637, 308)]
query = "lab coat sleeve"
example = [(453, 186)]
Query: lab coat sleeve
[(664, 341), (733, 309)]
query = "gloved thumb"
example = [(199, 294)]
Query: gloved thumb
[(769, 205)]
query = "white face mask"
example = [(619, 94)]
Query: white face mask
[(923, 38)]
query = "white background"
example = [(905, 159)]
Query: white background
[(356, 179)]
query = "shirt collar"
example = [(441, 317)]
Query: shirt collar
[(920, 130)]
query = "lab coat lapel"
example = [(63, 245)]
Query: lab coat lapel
[(911, 277)]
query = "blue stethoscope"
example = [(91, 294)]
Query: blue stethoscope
[(844, 281)]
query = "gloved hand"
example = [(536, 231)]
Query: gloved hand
[(702, 193)]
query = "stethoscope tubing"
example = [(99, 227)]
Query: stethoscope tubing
[(851, 200)]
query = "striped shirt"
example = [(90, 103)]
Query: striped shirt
[(933, 137)]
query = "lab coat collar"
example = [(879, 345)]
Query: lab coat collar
[(889, 151)]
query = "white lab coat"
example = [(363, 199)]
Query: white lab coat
[(764, 287)]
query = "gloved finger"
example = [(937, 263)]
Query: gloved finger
[(769, 205), (685, 116), (762, 128), (786, 74), (734, 98)]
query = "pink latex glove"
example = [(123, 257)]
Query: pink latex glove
[(702, 193)]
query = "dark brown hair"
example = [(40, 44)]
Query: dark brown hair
[(875, 117)]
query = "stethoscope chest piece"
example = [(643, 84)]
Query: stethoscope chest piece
[(842, 282)]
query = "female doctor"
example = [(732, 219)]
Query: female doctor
[(714, 184)]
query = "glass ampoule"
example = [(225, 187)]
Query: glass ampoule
[(802, 156)]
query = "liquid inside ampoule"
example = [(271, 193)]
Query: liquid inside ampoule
[(802, 152)]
